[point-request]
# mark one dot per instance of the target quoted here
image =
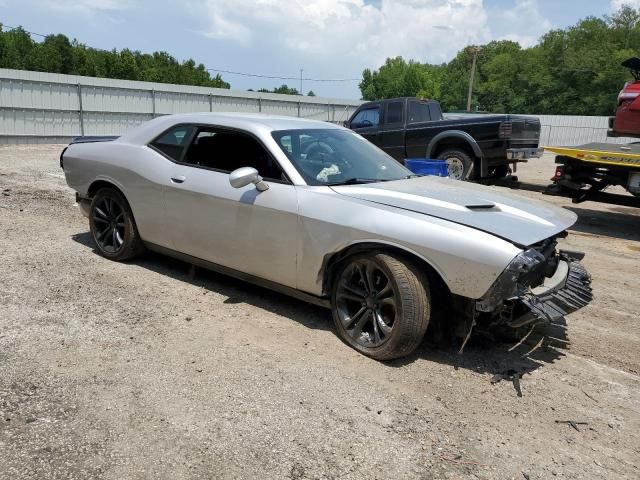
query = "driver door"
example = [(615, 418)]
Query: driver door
[(239, 228)]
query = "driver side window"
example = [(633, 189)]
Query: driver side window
[(369, 117), (225, 151)]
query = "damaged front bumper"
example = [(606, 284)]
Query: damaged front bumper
[(539, 286)]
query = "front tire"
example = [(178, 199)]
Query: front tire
[(459, 163), (381, 305), (113, 227)]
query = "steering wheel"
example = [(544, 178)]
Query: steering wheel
[(319, 151), (322, 155)]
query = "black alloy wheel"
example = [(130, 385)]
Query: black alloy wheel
[(381, 304), (108, 217), (112, 226), (366, 303)]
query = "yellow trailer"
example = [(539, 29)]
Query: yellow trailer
[(587, 169)]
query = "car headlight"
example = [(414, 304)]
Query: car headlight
[(509, 284)]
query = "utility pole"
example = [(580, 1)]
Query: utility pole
[(475, 50), (301, 70)]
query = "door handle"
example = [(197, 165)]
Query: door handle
[(179, 179)]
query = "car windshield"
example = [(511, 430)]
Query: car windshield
[(334, 157)]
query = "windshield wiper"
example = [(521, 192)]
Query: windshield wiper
[(355, 181)]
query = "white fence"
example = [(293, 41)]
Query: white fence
[(568, 130), (575, 130), (40, 107)]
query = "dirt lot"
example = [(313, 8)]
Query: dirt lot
[(138, 370)]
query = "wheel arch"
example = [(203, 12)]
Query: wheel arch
[(103, 183), (332, 262), (453, 139), (96, 185)]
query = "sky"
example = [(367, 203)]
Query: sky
[(328, 39)]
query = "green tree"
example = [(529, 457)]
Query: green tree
[(19, 49), (399, 78), (286, 90), (57, 54), (575, 70)]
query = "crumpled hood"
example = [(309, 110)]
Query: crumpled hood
[(512, 217)]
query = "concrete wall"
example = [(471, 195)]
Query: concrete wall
[(38, 107)]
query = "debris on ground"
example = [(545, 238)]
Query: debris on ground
[(573, 423), (511, 375)]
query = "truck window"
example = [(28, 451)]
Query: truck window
[(436, 113), (394, 113), (368, 117), (418, 112)]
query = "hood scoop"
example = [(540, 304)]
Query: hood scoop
[(482, 206)]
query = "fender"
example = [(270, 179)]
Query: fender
[(329, 262), (459, 134)]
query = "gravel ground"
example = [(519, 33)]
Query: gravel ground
[(140, 370)]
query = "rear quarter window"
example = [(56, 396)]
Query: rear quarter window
[(435, 111), (418, 112), (394, 113), (173, 142)]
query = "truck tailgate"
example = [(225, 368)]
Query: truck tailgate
[(525, 131)]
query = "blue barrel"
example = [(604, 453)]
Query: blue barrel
[(427, 166)]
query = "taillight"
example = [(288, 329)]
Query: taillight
[(505, 130), (559, 172), (62, 159), (626, 96)]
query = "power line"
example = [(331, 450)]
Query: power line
[(275, 77), (230, 72), (27, 31)]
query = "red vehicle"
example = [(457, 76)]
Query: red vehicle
[(626, 123)]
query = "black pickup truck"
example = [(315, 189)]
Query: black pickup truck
[(475, 147)]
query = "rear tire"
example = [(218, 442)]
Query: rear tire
[(381, 305), (113, 227), (459, 162)]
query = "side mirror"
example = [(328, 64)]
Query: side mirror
[(242, 177)]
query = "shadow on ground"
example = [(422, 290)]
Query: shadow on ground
[(622, 223), (620, 220), (236, 291), (482, 354)]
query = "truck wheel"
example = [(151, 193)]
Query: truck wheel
[(459, 162), (381, 305), (112, 226)]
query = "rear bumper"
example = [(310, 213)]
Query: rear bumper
[(524, 153), (84, 204)]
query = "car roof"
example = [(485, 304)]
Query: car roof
[(275, 122), (252, 122)]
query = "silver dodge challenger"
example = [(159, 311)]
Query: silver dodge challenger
[(315, 211)]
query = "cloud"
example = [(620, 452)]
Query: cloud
[(616, 4), (86, 6), (351, 31), (523, 23)]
